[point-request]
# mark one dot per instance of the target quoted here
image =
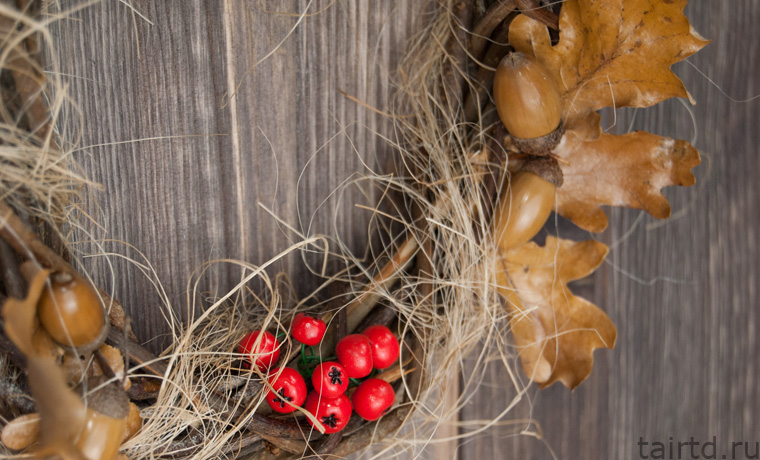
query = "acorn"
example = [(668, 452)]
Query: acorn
[(528, 102), (71, 313), (105, 421), (525, 202)]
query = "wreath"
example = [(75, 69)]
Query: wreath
[(497, 124)]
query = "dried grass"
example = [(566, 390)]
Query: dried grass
[(453, 309)]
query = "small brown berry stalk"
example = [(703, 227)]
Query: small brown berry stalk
[(528, 101)]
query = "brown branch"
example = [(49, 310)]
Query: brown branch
[(247, 444), (13, 395), (143, 389), (363, 303), (337, 292), (381, 314), (358, 308), (273, 427), (533, 10), (454, 72), (14, 287), (483, 78), (14, 284), (104, 366), (294, 446), (491, 181), (184, 447), (364, 436), (137, 353), (10, 349), (481, 32), (327, 446)]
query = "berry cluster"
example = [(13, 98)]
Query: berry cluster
[(357, 357)]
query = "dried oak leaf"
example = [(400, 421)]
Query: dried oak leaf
[(615, 53), (555, 332), (628, 170)]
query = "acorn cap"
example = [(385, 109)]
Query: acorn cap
[(538, 146), (526, 96), (546, 168), (110, 400)]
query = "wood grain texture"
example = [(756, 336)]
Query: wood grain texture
[(215, 108), (683, 294)]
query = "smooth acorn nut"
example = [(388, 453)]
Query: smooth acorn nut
[(526, 96), (105, 421), (525, 203), (70, 311)]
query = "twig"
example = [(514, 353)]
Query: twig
[(294, 446), (104, 366), (13, 395), (490, 181), (483, 78), (327, 446), (247, 444), (366, 434), (9, 348), (184, 447), (137, 353), (382, 315), (358, 308), (268, 426), (14, 285), (533, 10), (143, 389), (14, 288), (483, 29), (453, 74), (336, 298)]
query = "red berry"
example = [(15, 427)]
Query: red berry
[(330, 379), (288, 386), (332, 413), (355, 354), (385, 347), (373, 398), (265, 355), (308, 330)]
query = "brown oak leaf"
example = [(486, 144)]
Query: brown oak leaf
[(615, 53), (555, 332), (628, 170)]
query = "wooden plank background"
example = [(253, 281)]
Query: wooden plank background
[(185, 167)]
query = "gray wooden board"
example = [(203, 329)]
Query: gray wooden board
[(683, 294)]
